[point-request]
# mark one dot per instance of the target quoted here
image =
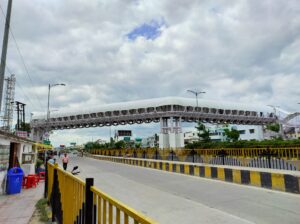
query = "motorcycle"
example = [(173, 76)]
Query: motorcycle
[(75, 170)]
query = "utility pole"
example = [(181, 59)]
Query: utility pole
[(23, 110), (4, 50), (18, 115)]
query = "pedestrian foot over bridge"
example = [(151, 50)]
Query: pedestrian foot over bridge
[(169, 111)]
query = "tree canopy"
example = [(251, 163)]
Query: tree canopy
[(232, 135), (274, 127), (203, 132)]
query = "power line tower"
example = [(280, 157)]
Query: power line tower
[(9, 102)]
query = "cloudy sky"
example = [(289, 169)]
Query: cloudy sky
[(118, 50)]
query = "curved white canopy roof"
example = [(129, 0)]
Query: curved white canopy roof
[(156, 102)]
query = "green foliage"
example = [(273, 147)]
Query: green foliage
[(120, 144), (274, 127), (232, 135), (203, 132), (275, 143), (95, 145)]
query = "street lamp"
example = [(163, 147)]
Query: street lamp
[(196, 94), (49, 88)]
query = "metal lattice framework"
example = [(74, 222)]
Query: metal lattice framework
[(153, 110), (9, 102)]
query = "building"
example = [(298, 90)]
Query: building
[(249, 132), (292, 133), (150, 142), (217, 133), (100, 141), (190, 137), (16, 151)]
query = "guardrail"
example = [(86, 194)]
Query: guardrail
[(76, 201), (274, 158)]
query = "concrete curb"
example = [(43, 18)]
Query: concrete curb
[(265, 179)]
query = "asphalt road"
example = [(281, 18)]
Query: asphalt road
[(176, 198)]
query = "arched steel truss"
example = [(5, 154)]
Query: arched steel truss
[(154, 114)]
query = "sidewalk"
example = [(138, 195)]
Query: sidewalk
[(18, 208)]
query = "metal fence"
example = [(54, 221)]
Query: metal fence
[(273, 158), (73, 200)]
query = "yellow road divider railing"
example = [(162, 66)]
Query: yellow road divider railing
[(73, 200), (113, 211), (181, 154), (274, 158)]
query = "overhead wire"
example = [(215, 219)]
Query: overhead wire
[(22, 59)]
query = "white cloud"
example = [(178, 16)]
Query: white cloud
[(246, 51)]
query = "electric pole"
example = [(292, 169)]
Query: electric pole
[(4, 49)]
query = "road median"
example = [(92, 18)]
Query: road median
[(280, 180)]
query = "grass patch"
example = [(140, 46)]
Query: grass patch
[(41, 206)]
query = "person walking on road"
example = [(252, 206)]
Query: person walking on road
[(65, 161)]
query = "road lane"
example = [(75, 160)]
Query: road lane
[(176, 198)]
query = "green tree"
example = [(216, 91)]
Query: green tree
[(274, 127), (88, 146), (120, 144), (232, 135), (203, 132), (111, 143)]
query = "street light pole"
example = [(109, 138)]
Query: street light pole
[(196, 94), (48, 105)]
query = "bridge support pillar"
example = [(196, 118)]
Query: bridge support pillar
[(164, 136), (171, 135)]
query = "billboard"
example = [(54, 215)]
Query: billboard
[(123, 133)]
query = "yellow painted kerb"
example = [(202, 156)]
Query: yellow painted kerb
[(278, 182), (255, 178), (186, 169), (236, 176), (221, 173), (171, 167), (207, 172)]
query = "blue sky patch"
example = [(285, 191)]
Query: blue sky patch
[(150, 31)]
